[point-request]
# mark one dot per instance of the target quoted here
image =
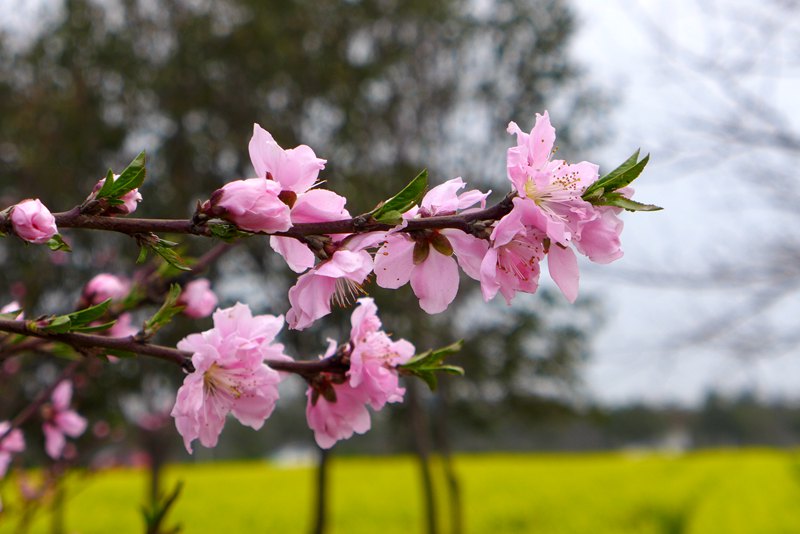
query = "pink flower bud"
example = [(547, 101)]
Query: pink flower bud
[(130, 200), (251, 205), (198, 298), (33, 222), (105, 286)]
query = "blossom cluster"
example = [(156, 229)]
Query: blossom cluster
[(232, 375), (58, 422), (555, 211), (549, 219)]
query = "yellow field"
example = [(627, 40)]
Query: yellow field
[(751, 491)]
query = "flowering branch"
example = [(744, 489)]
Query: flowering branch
[(425, 239), (81, 342), (359, 224)]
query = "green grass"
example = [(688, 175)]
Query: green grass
[(750, 491)]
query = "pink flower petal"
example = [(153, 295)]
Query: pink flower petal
[(563, 267), (394, 262), (435, 282)]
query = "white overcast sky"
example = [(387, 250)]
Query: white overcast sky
[(712, 215)]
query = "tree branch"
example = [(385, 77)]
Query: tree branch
[(183, 358), (359, 224)]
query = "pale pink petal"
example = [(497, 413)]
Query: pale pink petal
[(295, 169), (489, 282), (563, 267), (435, 282), (599, 239), (310, 298), (394, 262), (472, 197), (469, 251), (361, 241), (264, 151), (319, 205), (541, 140), (364, 319), (297, 255), (443, 199), (71, 423), (62, 395), (54, 441)]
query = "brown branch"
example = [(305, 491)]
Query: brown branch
[(183, 358), (358, 224)]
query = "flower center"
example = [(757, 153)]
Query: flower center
[(346, 292), (519, 258), (217, 380)]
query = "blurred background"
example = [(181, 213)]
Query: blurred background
[(687, 343)]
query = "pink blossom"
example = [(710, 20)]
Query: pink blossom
[(230, 375), (425, 257), (337, 407), (295, 169), (198, 299), (10, 443), (599, 239), (561, 261), (60, 420), (512, 262), (105, 286), (33, 222), (553, 188), (445, 200), (338, 279), (374, 357), (315, 205), (252, 205), (334, 420), (130, 200)]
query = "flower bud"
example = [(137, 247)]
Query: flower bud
[(198, 298), (105, 286), (251, 205), (130, 200), (33, 222)]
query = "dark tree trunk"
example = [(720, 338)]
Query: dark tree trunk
[(321, 501), (422, 449)]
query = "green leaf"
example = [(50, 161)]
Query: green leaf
[(57, 243), (87, 315), (427, 364), (620, 201), (391, 210), (620, 177), (164, 315), (108, 185), (96, 328), (155, 515), (162, 247), (171, 257), (142, 254), (226, 231), (60, 324), (129, 179)]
